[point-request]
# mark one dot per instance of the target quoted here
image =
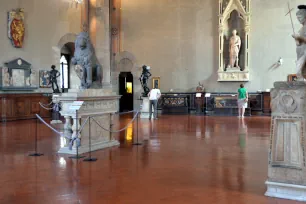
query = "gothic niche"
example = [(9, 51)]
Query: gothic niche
[(234, 30)]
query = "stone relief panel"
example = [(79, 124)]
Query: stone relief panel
[(106, 105), (233, 76), (286, 146), (287, 101), (98, 134)]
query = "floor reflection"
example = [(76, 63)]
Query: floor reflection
[(182, 159)]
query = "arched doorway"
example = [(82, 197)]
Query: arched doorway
[(67, 52), (126, 90)]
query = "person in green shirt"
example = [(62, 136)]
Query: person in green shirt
[(242, 100)]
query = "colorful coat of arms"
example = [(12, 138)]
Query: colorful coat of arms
[(16, 28)]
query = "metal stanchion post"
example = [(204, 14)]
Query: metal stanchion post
[(137, 127), (111, 127), (89, 137), (36, 154), (77, 156)]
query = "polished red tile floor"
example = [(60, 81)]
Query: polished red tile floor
[(186, 159)]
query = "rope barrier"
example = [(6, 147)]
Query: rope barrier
[(125, 112), (116, 131), (49, 126), (61, 133), (76, 138), (43, 106)]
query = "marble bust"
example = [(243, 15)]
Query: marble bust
[(234, 48), (301, 42)]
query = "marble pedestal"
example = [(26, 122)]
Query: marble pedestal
[(286, 169), (145, 109), (100, 104), (233, 74)]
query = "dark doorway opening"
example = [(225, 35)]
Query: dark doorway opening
[(126, 90), (67, 52)]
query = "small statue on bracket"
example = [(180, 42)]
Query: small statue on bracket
[(200, 87), (53, 75), (145, 75)]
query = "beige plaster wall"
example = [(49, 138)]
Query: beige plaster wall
[(46, 23), (179, 40)]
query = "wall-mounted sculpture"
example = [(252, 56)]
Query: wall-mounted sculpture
[(16, 28), (17, 75), (234, 38)]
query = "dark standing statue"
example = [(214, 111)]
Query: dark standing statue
[(145, 75), (53, 75), (87, 66)]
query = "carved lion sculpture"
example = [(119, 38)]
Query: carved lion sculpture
[(90, 73)]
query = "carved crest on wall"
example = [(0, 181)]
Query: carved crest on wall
[(16, 27)]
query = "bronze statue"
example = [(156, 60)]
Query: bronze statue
[(145, 75), (53, 75)]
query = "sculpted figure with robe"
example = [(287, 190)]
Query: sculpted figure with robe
[(234, 48), (301, 43)]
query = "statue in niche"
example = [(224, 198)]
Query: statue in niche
[(145, 75), (234, 48), (301, 43), (89, 69), (53, 75)]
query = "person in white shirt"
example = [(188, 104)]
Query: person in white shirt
[(154, 95)]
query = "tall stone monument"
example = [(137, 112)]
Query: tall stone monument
[(99, 103), (287, 169), (234, 40)]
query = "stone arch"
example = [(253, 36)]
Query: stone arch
[(126, 62), (67, 38), (125, 56)]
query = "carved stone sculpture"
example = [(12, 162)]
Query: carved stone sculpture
[(144, 80), (33, 78), (301, 42), (234, 51), (234, 48), (53, 75), (287, 168), (6, 77), (89, 69)]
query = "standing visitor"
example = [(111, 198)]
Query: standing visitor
[(242, 100), (154, 95)]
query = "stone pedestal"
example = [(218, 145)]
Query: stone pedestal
[(233, 74), (145, 110), (100, 104), (286, 171)]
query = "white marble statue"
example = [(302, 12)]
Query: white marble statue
[(6, 77), (301, 42), (234, 48)]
